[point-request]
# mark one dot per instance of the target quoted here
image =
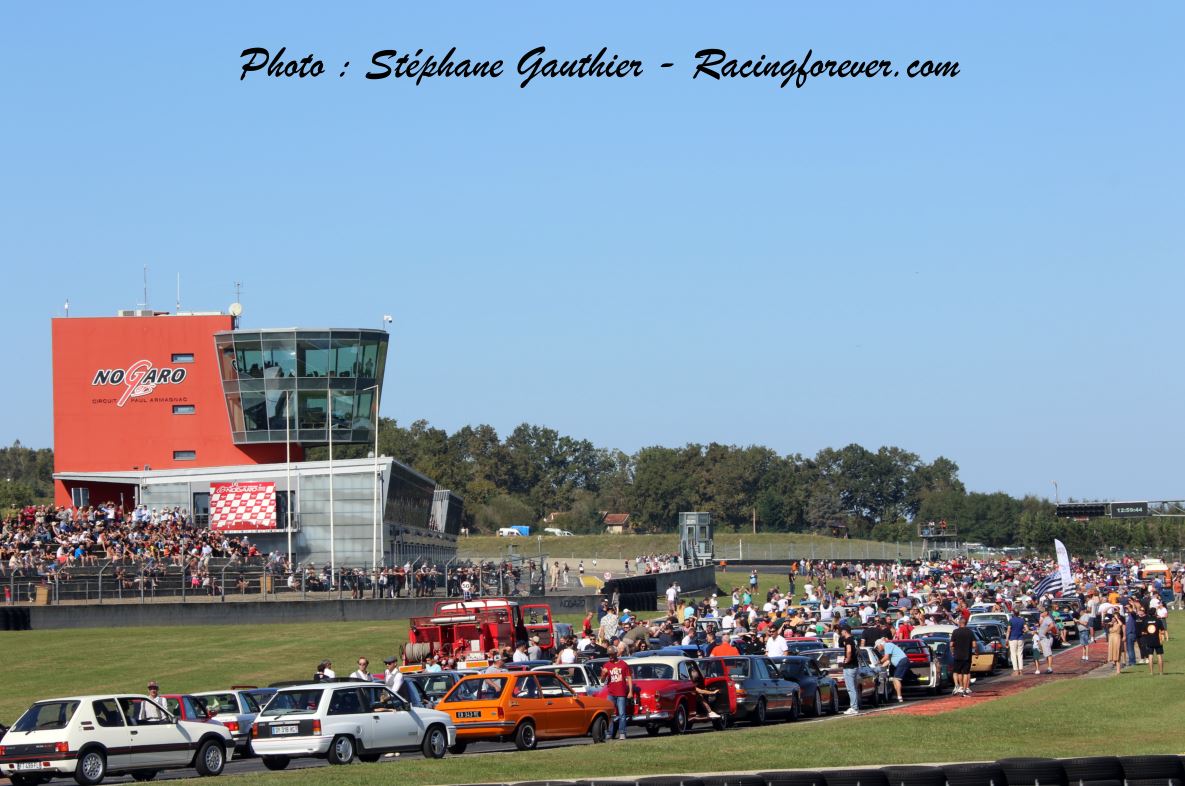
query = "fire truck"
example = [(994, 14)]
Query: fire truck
[(467, 630)]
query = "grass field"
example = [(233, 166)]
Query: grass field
[(1133, 713), (765, 545)]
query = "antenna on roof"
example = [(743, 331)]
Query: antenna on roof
[(178, 293), (67, 308)]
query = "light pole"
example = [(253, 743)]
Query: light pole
[(1056, 495), (374, 545), (288, 470), (332, 541)]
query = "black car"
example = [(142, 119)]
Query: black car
[(432, 685), (996, 637), (819, 692), (762, 691)]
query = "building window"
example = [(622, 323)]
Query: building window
[(182, 357), (184, 409), (184, 455)]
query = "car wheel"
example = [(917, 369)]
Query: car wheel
[(679, 722), (275, 762), (599, 731), (91, 768), (834, 702), (759, 713), (652, 729), (524, 736), (341, 750), (369, 758), (796, 708), (435, 743), (211, 759), (721, 723), (818, 703), (143, 775), (458, 747)]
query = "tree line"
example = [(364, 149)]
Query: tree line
[(535, 471)]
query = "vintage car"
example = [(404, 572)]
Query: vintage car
[(761, 690), (819, 692), (800, 645), (579, 676), (522, 707), (983, 656), (236, 709), (92, 737), (187, 707), (664, 695), (340, 720), (870, 659), (867, 684)]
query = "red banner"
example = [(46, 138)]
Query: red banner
[(242, 506)]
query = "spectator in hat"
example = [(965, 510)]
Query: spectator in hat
[(534, 651), (392, 676), (152, 711)]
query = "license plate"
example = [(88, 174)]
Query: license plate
[(285, 729), (469, 714), (29, 765)]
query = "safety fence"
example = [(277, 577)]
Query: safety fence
[(1150, 770)]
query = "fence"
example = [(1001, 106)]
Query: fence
[(736, 550)]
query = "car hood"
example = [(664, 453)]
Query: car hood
[(432, 716)]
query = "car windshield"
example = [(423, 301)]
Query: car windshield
[(652, 671), (45, 716), (434, 685), (711, 668), (479, 689), (793, 668), (291, 702), (738, 669)]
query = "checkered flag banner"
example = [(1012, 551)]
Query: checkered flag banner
[(242, 506)]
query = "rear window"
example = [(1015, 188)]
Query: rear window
[(46, 716), (738, 669), (221, 702), (288, 702), (652, 671), (485, 689)]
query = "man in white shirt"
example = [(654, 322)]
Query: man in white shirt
[(152, 711), (520, 654), (392, 677), (775, 644)]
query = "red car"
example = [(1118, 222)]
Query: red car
[(192, 708), (664, 694), (927, 674)]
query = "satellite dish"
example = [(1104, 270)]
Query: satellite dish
[(236, 309)]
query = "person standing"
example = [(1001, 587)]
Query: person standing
[(363, 671), (392, 676), (1046, 629), (962, 643), (1085, 632), (1131, 632), (535, 652), (619, 686), (152, 711), (1150, 644), (1115, 640), (851, 665)]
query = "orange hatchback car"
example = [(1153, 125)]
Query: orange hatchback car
[(524, 707)]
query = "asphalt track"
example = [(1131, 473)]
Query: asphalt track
[(254, 765)]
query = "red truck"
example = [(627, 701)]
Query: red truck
[(467, 630)]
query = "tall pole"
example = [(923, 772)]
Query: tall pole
[(288, 469), (374, 546), (332, 541), (1056, 496)]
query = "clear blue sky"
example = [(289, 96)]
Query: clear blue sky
[(988, 268)]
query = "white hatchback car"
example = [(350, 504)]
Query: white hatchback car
[(91, 737), (340, 720)]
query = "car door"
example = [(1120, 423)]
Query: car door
[(775, 698), (112, 732), (524, 699), (154, 743), (347, 713), (560, 702), (393, 725)]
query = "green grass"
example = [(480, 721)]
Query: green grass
[(764, 545), (1131, 714)]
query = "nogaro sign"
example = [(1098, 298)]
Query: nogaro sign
[(137, 380)]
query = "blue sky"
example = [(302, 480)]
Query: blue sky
[(987, 268)]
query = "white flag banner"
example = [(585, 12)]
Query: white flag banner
[(1063, 564)]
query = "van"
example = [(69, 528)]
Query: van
[(557, 532), (509, 532)]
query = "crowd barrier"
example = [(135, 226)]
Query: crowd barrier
[(1163, 770)]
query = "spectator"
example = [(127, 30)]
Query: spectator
[(1016, 641), (962, 643), (895, 658), (363, 670), (152, 711), (851, 665), (619, 685), (392, 676)]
